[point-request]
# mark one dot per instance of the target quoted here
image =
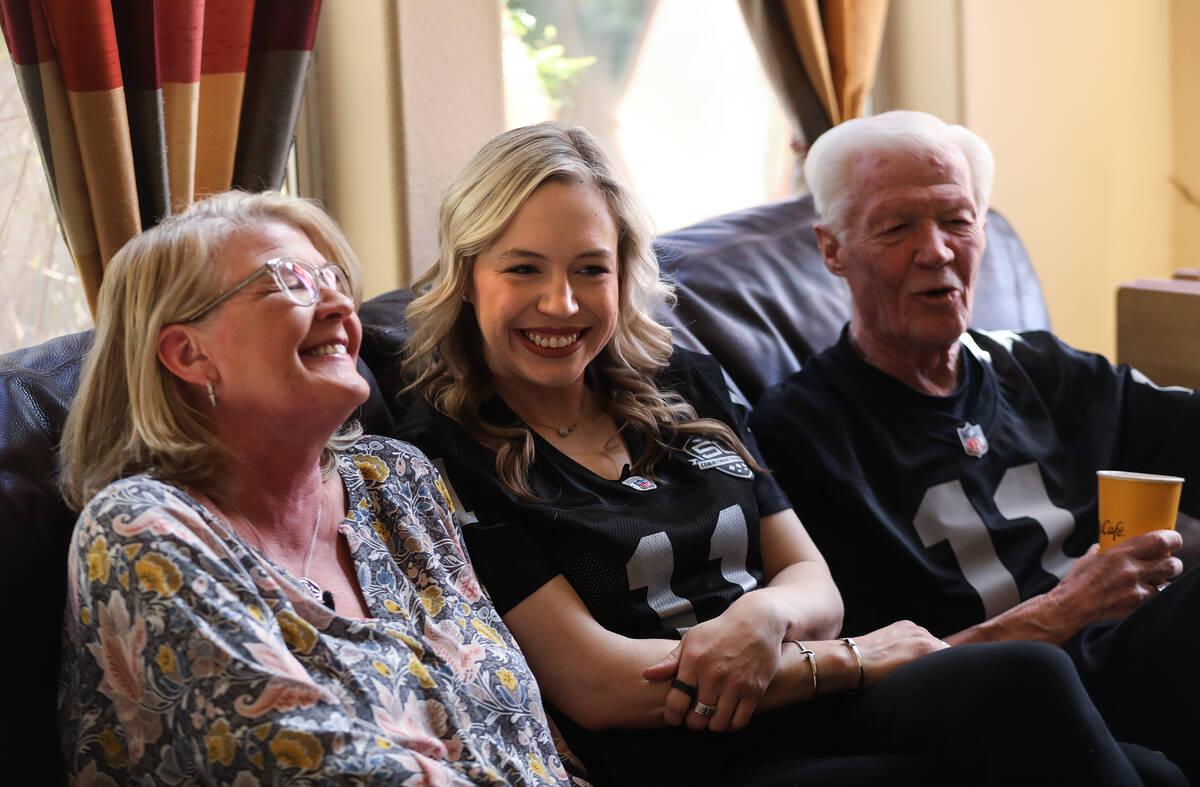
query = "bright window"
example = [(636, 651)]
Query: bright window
[(41, 296), (673, 89)]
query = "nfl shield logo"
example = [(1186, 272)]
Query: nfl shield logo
[(639, 483), (972, 439)]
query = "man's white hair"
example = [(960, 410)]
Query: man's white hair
[(898, 133)]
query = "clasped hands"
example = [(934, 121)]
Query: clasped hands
[(729, 663)]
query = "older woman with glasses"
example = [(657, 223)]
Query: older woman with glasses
[(258, 593)]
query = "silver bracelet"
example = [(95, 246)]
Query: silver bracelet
[(850, 643), (812, 662)]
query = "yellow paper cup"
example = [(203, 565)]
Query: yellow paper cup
[(1136, 503)]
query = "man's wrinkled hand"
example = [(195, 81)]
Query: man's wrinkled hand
[(1111, 584)]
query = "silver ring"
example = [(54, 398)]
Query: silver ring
[(700, 709), (1161, 588)]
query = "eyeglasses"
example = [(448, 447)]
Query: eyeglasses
[(299, 281)]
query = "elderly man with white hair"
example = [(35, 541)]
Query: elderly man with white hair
[(948, 475)]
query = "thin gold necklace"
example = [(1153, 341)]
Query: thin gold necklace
[(562, 431)]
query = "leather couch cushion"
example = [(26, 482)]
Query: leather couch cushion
[(36, 387)]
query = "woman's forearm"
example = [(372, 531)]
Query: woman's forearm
[(589, 673), (837, 671), (805, 597), (840, 667), (798, 580)]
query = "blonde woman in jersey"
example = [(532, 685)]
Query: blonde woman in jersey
[(679, 619)]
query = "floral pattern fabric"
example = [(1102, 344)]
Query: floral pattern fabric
[(192, 659)]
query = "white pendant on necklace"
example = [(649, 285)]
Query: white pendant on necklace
[(313, 587), (563, 431)]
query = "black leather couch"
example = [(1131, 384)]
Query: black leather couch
[(752, 291)]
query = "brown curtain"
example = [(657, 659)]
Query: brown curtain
[(140, 107), (820, 56)]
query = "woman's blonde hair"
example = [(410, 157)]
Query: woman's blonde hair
[(444, 356), (130, 414)]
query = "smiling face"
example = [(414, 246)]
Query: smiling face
[(545, 291), (271, 358), (910, 252)]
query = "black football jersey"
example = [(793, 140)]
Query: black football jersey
[(650, 557), (950, 510)]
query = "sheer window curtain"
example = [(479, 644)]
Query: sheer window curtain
[(140, 107)]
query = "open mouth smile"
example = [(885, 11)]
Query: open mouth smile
[(552, 344), (325, 349)]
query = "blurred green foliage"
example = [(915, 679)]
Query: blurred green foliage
[(554, 68), (550, 29)]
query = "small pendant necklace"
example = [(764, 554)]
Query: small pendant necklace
[(562, 431), (312, 587)]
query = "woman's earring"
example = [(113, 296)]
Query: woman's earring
[(212, 395), (465, 298)]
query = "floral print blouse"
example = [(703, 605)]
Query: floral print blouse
[(189, 658)]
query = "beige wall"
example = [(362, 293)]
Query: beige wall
[(452, 85), (349, 157), (920, 63), (1185, 112), (403, 94), (1089, 106), (1074, 98)]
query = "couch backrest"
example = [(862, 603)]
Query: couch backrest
[(754, 293), (36, 386)]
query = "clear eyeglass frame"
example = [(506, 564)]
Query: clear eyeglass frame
[(299, 281)]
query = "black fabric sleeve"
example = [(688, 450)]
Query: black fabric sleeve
[(1155, 426), (814, 461)]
